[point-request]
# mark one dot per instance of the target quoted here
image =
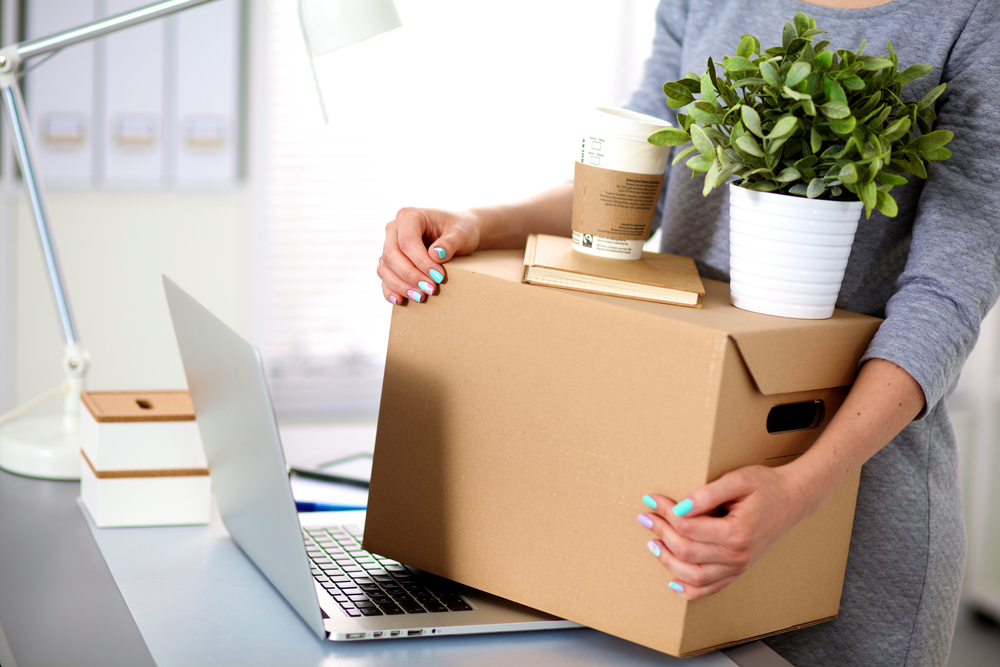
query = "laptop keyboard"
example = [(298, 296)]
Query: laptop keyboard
[(364, 584)]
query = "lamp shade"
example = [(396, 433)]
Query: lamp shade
[(331, 24)]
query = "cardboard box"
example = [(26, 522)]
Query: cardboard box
[(143, 463), (520, 427)]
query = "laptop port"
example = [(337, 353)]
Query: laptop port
[(414, 633), (394, 633), (355, 635), (376, 635)]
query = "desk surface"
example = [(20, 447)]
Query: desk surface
[(72, 594)]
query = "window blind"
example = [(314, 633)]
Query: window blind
[(466, 104)]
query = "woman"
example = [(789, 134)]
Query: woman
[(932, 272)]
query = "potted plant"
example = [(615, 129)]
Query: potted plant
[(804, 130)]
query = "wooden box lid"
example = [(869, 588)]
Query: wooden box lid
[(139, 406)]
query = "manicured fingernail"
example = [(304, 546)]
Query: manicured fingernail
[(426, 286), (645, 521), (654, 548), (649, 501), (674, 586), (442, 253), (683, 507), (436, 275), (392, 298), (415, 295)]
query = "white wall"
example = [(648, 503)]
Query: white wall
[(114, 246)]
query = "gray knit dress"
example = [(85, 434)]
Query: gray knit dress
[(933, 272)]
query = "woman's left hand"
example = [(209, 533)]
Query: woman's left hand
[(706, 552)]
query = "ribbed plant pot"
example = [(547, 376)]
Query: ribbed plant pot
[(788, 253)]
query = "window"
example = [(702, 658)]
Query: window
[(466, 104)]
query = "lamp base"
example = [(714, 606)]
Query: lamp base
[(40, 447)]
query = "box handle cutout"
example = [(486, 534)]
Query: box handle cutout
[(795, 416), (144, 404)]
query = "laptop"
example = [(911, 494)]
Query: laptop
[(315, 560)]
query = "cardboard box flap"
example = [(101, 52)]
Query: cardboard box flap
[(783, 355), (788, 359)]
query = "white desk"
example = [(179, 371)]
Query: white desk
[(72, 594)]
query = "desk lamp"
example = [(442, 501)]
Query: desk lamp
[(47, 447)]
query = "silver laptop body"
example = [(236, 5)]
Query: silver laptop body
[(235, 416)]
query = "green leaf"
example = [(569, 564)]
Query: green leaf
[(746, 46), (916, 165), (932, 96), (912, 72), (711, 179), (795, 95), (708, 90), (835, 110), (770, 74), (853, 83), (749, 145), (833, 90), (815, 140), (848, 174), (824, 59), (738, 64), (669, 136), (873, 64), (931, 141), (700, 163), (936, 154), (749, 81), (751, 120), (722, 156), (787, 175), (683, 154), (756, 45), (799, 189), (890, 179), (897, 129), (867, 193), (797, 73), (816, 188), (763, 186), (809, 107), (788, 33), (886, 204), (704, 117), (844, 125), (702, 142), (802, 23), (674, 90), (784, 127)]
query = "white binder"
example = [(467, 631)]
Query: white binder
[(205, 130), (59, 95)]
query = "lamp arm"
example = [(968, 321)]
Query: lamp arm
[(42, 45)]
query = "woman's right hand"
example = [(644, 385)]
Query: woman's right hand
[(417, 243)]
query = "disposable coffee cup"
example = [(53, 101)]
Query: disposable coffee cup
[(616, 183)]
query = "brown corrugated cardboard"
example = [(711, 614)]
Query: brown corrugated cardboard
[(520, 427)]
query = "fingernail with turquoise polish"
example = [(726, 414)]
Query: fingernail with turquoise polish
[(426, 286), (674, 586), (649, 501), (415, 295), (442, 253), (654, 548), (645, 521), (436, 275), (683, 507)]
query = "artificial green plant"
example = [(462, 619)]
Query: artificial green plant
[(803, 120)]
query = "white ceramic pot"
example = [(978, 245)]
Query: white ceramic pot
[(788, 253)]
